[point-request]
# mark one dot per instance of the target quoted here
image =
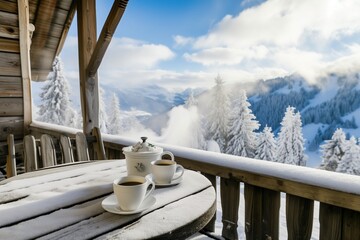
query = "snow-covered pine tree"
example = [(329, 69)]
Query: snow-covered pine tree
[(333, 150), (102, 112), (55, 100), (197, 131), (115, 121), (291, 141), (266, 145), (73, 119), (131, 123), (299, 142), (350, 163), (242, 127), (191, 101), (217, 121)]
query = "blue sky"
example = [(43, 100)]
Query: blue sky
[(186, 43)]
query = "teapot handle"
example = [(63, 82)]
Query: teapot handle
[(168, 153)]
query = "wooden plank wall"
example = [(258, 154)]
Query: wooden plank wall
[(50, 18), (11, 95)]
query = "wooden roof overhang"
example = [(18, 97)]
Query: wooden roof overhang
[(32, 34)]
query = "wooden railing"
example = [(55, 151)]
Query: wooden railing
[(338, 194)]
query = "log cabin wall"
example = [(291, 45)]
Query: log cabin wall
[(51, 19), (11, 93)]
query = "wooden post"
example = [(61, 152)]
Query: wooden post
[(338, 223), (30, 154), (330, 222), (89, 89), (230, 200), (210, 227), (82, 150), (271, 212), (253, 212), (24, 38), (299, 217), (351, 224), (98, 145), (261, 213), (11, 160)]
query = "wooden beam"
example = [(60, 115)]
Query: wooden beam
[(67, 26), (23, 10), (89, 89), (106, 35)]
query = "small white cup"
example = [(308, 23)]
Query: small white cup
[(164, 170), (131, 191)]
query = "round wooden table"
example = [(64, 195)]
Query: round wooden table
[(65, 202)]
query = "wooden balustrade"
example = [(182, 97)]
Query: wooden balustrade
[(338, 194)]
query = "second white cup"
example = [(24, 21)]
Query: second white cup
[(165, 171)]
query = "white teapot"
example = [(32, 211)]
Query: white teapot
[(139, 157)]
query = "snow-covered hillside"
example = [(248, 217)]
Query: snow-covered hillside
[(332, 103)]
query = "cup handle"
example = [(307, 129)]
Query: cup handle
[(179, 168), (150, 182), (168, 153)]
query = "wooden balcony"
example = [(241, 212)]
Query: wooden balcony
[(264, 182)]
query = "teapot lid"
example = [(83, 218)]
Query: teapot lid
[(143, 146)]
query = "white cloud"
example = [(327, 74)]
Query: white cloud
[(308, 63), (346, 64), (182, 41), (284, 23), (129, 53), (226, 56), (123, 53), (307, 37)]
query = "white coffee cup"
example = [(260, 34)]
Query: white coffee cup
[(163, 171), (131, 191)]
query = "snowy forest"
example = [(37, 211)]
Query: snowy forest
[(228, 123)]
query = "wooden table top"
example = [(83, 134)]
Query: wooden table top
[(65, 202)]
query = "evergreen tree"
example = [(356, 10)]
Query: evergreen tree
[(115, 121), (217, 122), (131, 123), (298, 142), (291, 141), (55, 102), (73, 119), (333, 150), (191, 101), (266, 148), (242, 127), (197, 132), (102, 112), (350, 162)]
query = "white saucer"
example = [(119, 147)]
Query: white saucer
[(110, 204), (172, 183)]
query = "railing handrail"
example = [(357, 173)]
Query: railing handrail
[(329, 187)]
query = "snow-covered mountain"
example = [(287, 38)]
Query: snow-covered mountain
[(334, 102), (152, 99)]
